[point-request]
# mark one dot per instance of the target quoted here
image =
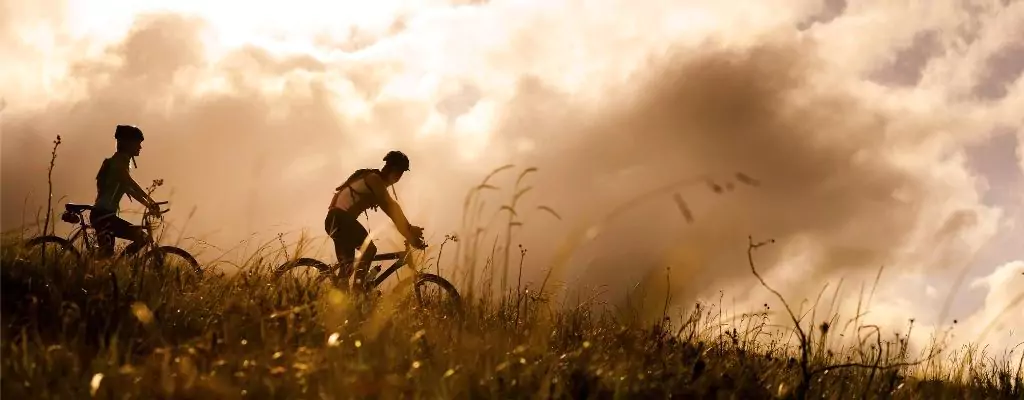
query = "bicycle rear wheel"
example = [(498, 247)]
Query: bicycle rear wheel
[(51, 250), (436, 294)]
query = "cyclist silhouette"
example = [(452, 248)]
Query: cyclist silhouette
[(113, 181), (365, 189)]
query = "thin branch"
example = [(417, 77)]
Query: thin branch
[(49, 183)]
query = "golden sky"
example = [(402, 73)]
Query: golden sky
[(884, 132)]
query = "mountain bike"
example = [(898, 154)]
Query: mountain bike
[(84, 234), (432, 291)]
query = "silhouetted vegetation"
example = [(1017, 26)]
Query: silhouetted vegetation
[(91, 328), (75, 331)]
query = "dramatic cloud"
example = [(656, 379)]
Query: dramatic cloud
[(855, 118)]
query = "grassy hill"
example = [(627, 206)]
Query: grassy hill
[(94, 330)]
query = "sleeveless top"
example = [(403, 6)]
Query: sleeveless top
[(109, 187), (354, 196)]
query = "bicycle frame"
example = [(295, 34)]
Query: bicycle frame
[(399, 256), (82, 230), (339, 273)]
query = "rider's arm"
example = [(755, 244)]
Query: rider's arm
[(390, 206), (133, 189), (136, 192)]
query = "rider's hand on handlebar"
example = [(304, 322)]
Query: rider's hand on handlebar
[(417, 233), (418, 244)]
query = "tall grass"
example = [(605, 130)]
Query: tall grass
[(95, 332), (95, 329)]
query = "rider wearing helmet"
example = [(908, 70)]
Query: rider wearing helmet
[(365, 189), (113, 181)]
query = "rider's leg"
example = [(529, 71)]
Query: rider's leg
[(365, 259), (344, 252), (344, 246), (136, 235), (352, 235), (103, 221), (109, 226), (105, 242)]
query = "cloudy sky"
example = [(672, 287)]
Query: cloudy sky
[(885, 134)]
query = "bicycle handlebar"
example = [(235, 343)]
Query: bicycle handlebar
[(149, 213)]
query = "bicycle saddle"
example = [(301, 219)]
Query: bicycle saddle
[(77, 208)]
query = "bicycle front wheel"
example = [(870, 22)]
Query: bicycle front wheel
[(304, 271), (175, 260), (436, 294)]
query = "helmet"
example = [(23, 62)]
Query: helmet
[(397, 160), (128, 132)]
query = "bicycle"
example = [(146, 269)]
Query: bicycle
[(85, 234), (339, 273)]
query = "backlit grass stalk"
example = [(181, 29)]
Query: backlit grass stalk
[(511, 209), (440, 252), (49, 184), (519, 282), (469, 216)]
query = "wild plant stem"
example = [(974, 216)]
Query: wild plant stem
[(49, 183), (440, 252), (519, 283)]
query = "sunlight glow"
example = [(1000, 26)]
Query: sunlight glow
[(451, 76)]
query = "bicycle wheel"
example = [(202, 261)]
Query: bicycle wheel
[(175, 260), (304, 271), (51, 249), (438, 295)]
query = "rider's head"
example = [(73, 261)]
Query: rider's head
[(395, 164), (129, 139)]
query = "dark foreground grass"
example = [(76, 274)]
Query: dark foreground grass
[(81, 331)]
